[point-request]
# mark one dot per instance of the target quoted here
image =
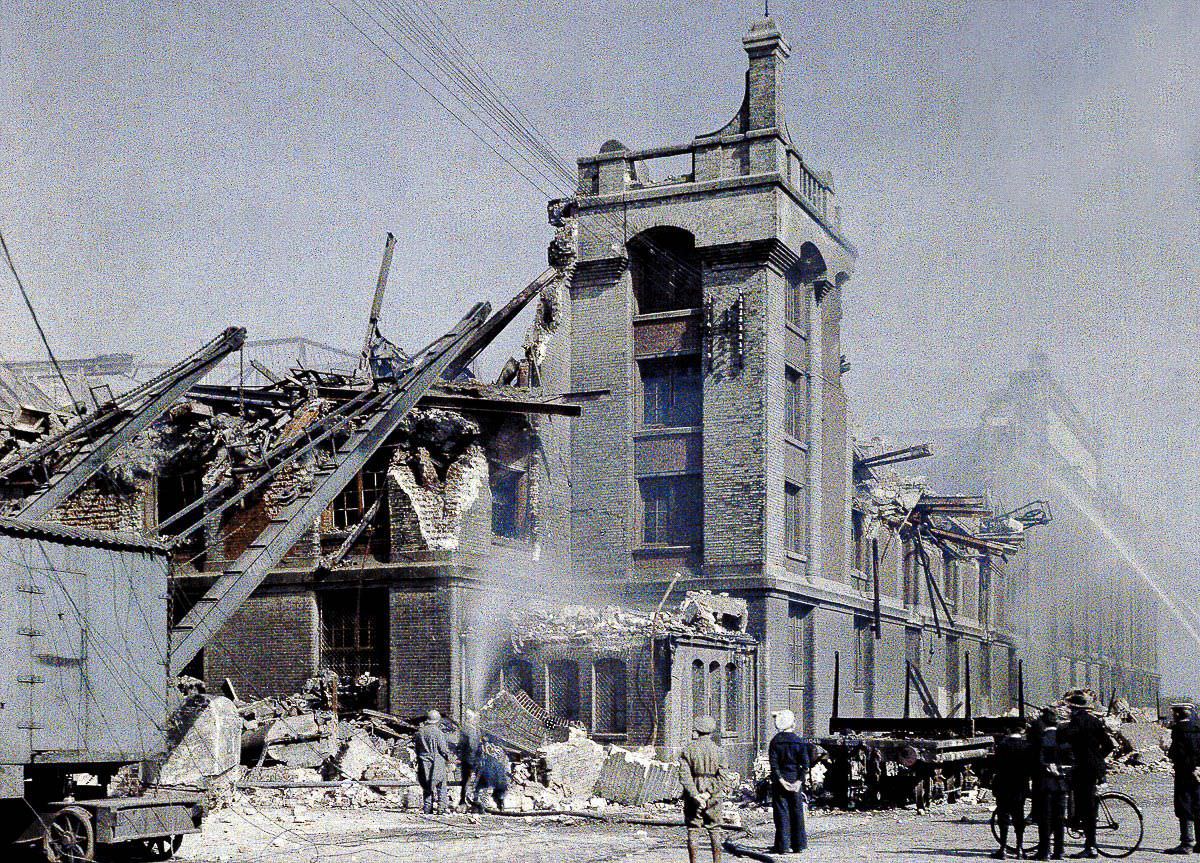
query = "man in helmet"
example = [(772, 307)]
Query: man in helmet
[(702, 772), (433, 757), (1184, 752)]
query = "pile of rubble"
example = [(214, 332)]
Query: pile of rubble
[(701, 612)]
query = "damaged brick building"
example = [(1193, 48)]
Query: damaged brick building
[(678, 411)]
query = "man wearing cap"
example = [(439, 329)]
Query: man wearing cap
[(701, 772), (433, 756), (1090, 746), (1051, 760), (1184, 752), (790, 756)]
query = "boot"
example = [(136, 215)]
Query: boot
[(714, 836), (693, 844)]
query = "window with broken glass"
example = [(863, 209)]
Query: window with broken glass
[(672, 392), (349, 507), (354, 631), (797, 405), (610, 704), (795, 522), (672, 508), (511, 515)]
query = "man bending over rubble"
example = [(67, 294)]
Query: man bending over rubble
[(702, 772), (433, 756)]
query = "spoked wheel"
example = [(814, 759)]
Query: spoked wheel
[(1119, 825), (1028, 840), (159, 848), (69, 837)]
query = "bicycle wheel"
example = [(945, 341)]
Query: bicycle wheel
[(1029, 840), (1119, 827)]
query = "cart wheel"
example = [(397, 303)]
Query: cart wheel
[(159, 848), (69, 837)]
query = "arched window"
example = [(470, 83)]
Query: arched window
[(733, 697), (714, 691), (610, 704), (563, 700), (699, 691), (518, 676), (666, 270)]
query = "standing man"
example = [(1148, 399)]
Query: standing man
[(1184, 752), (790, 756), (1011, 772), (701, 772), (1090, 746), (1051, 768), (492, 776), (433, 756), (470, 751)]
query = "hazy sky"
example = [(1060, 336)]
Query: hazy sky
[(1011, 172)]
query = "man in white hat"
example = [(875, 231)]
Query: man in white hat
[(790, 756)]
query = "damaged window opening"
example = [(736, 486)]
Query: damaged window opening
[(356, 498), (510, 503), (733, 698), (864, 654), (699, 692), (672, 392), (517, 676), (912, 581), (715, 700), (610, 709), (562, 680), (953, 669), (672, 509), (985, 591), (354, 631), (795, 520), (951, 580), (177, 492), (665, 270)]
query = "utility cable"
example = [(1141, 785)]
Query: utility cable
[(37, 323)]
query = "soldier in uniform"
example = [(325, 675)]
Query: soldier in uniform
[(433, 757), (790, 756), (702, 773), (1051, 766), (1184, 752), (470, 753), (1010, 785), (1090, 746)]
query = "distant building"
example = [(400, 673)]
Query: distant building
[(1084, 615)]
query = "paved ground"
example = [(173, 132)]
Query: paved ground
[(249, 834)]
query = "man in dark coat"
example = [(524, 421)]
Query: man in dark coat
[(1184, 752), (433, 757), (1051, 759), (492, 776), (702, 773), (1012, 769), (1090, 746), (470, 752), (790, 756)]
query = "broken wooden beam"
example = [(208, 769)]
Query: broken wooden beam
[(894, 456)]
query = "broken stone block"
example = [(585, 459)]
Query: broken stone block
[(306, 740), (209, 743), (621, 778), (574, 767)]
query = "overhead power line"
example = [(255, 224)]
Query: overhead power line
[(37, 323)]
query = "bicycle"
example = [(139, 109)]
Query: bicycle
[(1119, 827)]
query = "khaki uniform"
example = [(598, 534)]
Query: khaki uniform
[(701, 771)]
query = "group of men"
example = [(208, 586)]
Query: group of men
[(482, 765), (704, 775), (1057, 764)]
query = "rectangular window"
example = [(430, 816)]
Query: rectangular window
[(354, 631), (985, 592), (797, 312), (672, 392), (950, 580), (511, 515), (733, 697), (797, 641), (912, 646), (953, 669), (864, 654), (672, 510), (797, 405), (362, 491), (795, 518), (912, 575)]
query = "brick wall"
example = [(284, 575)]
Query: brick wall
[(270, 646)]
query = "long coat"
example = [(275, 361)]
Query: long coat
[(1184, 753), (433, 754)]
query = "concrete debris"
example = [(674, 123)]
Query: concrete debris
[(304, 740), (573, 767), (518, 724), (635, 778), (700, 613), (205, 735)]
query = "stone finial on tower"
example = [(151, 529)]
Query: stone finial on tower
[(767, 49)]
